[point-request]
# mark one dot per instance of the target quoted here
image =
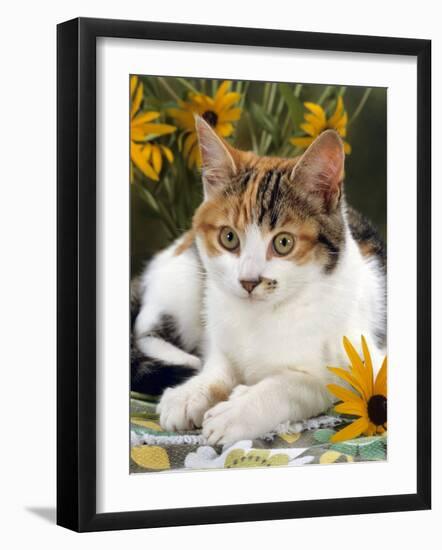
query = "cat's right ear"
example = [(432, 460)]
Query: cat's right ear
[(217, 163)]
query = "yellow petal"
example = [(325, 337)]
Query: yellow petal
[(347, 148), (185, 119), (232, 114), (137, 134), (225, 129), (371, 429), (139, 156), (189, 142), (167, 153), (342, 122), (343, 394), (309, 129), (314, 121), (133, 84), (204, 102), (149, 130), (316, 110), (350, 432), (194, 158), (349, 378), (358, 369), (138, 98), (332, 121), (351, 407), (380, 385), (158, 129), (301, 142), (222, 90), (157, 160), (368, 364), (341, 131), (229, 99), (145, 117)]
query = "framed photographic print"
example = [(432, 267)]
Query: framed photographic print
[(226, 301)]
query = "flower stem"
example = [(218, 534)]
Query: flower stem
[(169, 89), (187, 85), (324, 94), (243, 95), (252, 132), (360, 106)]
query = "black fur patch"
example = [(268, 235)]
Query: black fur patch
[(366, 235), (245, 180), (166, 329), (148, 375), (333, 252), (152, 377), (274, 198), (262, 198)]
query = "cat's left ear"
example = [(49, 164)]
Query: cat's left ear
[(320, 170), (218, 165)]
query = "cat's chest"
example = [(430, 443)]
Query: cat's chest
[(259, 341)]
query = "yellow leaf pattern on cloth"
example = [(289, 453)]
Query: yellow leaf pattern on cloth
[(290, 438), (152, 457), (332, 456), (257, 457), (154, 449), (146, 423)]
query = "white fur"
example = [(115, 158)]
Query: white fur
[(268, 350), (172, 285)]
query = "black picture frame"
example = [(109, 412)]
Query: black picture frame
[(76, 273)]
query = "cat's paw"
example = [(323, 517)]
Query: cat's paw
[(230, 421), (183, 407)]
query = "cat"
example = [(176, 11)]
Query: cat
[(258, 295)]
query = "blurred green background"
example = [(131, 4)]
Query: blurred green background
[(162, 209)]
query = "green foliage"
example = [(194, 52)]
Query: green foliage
[(271, 114)]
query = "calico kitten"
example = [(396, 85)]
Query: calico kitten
[(275, 271)]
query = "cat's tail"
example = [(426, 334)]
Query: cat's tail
[(157, 361), (151, 376)]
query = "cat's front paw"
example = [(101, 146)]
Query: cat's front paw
[(183, 407), (230, 421)]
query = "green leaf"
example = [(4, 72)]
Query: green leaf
[(263, 118), (323, 435), (149, 199), (295, 106)]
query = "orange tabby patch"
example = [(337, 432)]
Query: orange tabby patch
[(186, 243)]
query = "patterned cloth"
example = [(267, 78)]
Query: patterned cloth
[(308, 442)]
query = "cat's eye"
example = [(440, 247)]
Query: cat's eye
[(228, 238), (283, 243)]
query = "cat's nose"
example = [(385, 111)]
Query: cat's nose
[(250, 285)]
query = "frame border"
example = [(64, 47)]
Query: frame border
[(76, 273)]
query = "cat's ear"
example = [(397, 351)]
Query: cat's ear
[(320, 170), (218, 165)]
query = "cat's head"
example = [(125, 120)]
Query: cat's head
[(269, 226)]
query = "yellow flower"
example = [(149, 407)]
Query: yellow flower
[(218, 111), (316, 122), (145, 153), (368, 402)]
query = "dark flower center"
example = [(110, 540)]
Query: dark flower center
[(211, 118), (377, 409)]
